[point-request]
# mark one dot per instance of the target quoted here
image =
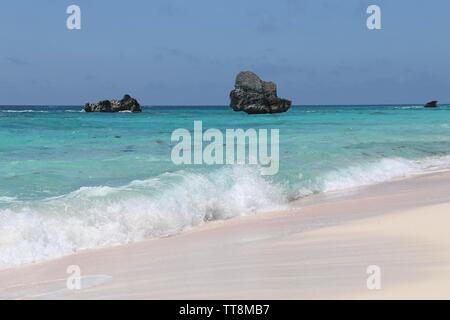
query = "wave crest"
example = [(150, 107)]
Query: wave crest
[(94, 217)]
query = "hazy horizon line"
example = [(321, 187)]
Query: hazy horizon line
[(225, 105)]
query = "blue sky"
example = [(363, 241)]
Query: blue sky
[(178, 52)]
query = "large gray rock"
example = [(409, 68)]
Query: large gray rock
[(255, 96), (126, 104)]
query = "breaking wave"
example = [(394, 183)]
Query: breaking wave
[(24, 111), (103, 216), (95, 217), (373, 173)]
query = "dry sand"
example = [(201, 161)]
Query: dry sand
[(318, 250)]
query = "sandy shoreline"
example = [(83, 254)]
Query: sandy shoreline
[(319, 250)]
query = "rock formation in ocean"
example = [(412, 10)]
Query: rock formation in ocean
[(432, 104), (255, 96), (126, 104)]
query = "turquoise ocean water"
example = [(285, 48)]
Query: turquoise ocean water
[(71, 180)]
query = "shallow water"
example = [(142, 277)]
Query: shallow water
[(71, 180)]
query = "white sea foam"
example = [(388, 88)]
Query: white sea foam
[(380, 171), (409, 107), (7, 199), (367, 174), (24, 111), (105, 216)]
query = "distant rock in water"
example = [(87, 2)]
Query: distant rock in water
[(432, 104), (126, 104), (255, 96)]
